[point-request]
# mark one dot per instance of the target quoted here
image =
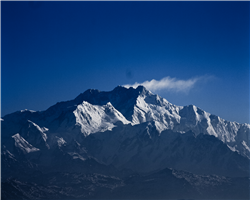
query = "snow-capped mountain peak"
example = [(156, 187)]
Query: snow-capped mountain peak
[(95, 111), (121, 132)]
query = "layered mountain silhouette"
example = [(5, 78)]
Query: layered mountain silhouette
[(126, 143)]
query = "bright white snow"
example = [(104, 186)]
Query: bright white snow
[(94, 118), (22, 144)]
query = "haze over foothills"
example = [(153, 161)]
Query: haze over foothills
[(187, 52)]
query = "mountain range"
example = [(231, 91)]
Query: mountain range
[(123, 144)]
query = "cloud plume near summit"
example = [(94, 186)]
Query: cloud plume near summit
[(168, 83)]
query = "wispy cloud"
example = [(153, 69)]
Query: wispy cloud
[(168, 83)]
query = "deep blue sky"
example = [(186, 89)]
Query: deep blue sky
[(52, 51)]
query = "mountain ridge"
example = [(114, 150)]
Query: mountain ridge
[(123, 143), (106, 114)]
